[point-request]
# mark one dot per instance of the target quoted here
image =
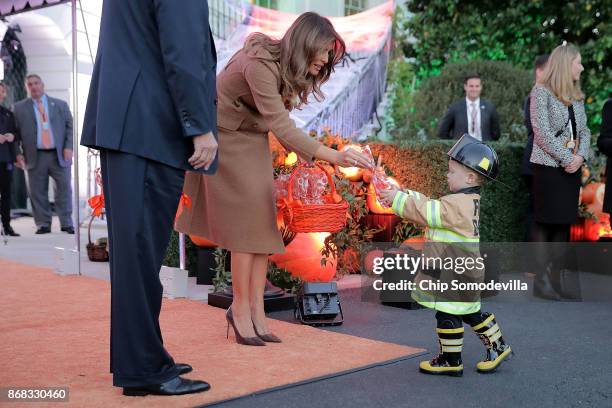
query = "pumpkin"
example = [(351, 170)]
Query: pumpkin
[(351, 173), (291, 159), (592, 192), (302, 258), (368, 261), (415, 243), (373, 204)]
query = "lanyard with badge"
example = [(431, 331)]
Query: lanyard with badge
[(572, 143)]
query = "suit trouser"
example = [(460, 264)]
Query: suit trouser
[(141, 197), (38, 178), (5, 194)]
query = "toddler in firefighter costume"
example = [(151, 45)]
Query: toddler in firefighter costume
[(453, 220)]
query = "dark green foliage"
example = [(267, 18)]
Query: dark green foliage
[(515, 31), (172, 252), (502, 84)]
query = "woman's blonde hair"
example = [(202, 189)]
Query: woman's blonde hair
[(308, 36), (558, 75)]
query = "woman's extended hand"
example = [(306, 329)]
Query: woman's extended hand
[(353, 158), (575, 164)]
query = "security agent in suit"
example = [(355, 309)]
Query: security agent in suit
[(604, 144), (151, 112), (8, 155), (471, 115), (45, 129)]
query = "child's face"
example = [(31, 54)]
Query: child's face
[(458, 176)]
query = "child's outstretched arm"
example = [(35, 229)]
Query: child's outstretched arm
[(416, 207)]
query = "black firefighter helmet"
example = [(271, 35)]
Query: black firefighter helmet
[(475, 155)]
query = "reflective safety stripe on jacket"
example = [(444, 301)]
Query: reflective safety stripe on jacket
[(453, 219)]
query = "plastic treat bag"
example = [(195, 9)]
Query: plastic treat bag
[(379, 178)]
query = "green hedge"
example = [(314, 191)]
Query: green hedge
[(502, 84), (423, 166), (437, 32)]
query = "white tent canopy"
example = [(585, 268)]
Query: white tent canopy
[(8, 7)]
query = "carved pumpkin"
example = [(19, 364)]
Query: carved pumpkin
[(373, 204), (302, 258)]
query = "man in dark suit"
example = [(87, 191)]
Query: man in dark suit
[(471, 115), (45, 132), (8, 156), (604, 143), (151, 112)]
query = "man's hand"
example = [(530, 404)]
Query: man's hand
[(387, 196), (9, 137), (2, 139), (67, 155), (575, 164), (204, 151), (20, 163)]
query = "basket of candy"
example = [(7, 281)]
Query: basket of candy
[(312, 203)]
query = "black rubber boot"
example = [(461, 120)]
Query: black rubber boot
[(497, 350), (448, 362)]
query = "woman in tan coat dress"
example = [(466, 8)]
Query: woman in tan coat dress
[(235, 208)]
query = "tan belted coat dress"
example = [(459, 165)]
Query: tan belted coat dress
[(235, 208)]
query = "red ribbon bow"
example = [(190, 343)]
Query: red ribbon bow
[(185, 202)]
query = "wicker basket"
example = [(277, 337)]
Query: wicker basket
[(299, 217), (95, 252)]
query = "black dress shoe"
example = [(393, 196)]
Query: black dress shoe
[(43, 230), (183, 368), (10, 232), (175, 386), (69, 230)]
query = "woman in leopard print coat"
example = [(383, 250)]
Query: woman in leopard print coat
[(561, 146)]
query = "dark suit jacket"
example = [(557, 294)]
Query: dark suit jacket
[(153, 85), (455, 122), (604, 143), (8, 151), (526, 165), (61, 125)]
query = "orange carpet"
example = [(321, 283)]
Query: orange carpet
[(55, 332)]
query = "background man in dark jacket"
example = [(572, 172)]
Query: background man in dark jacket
[(472, 115), (151, 112)]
